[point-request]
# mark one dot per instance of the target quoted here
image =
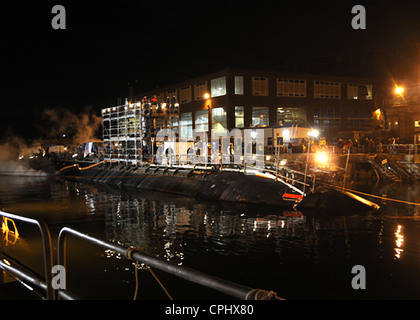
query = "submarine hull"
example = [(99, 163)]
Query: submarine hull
[(218, 185), (227, 186)]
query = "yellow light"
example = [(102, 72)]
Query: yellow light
[(206, 96), (322, 158), (399, 90), (313, 133)]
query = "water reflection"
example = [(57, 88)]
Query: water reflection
[(399, 241), (10, 236), (266, 247), (178, 228)]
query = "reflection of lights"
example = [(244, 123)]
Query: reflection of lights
[(283, 162), (399, 240), (7, 262), (6, 230)]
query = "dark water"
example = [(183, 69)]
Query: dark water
[(298, 255)]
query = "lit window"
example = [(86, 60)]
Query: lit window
[(260, 116), (201, 121), (259, 86), (327, 89), (218, 87), (185, 94), (291, 116), (291, 88), (239, 117), (186, 125), (199, 90), (239, 85), (219, 122), (359, 91)]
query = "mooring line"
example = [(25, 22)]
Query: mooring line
[(373, 195)]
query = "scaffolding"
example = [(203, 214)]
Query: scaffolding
[(129, 130)]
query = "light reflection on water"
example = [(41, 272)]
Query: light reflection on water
[(297, 254)]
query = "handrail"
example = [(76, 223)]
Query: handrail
[(47, 245), (227, 287)]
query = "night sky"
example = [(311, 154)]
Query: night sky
[(109, 44)]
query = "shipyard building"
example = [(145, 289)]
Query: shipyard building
[(243, 99)]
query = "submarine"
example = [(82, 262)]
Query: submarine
[(219, 185)]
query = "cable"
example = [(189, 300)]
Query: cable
[(375, 196)]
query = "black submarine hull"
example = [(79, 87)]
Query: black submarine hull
[(217, 185)]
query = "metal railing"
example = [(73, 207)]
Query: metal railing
[(46, 244), (25, 275)]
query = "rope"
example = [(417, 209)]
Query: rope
[(160, 283), (375, 196), (136, 275), (129, 255), (259, 294)]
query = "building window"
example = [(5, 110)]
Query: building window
[(218, 87), (185, 94), (218, 121), (325, 118), (186, 126), (291, 116), (359, 119), (291, 88), (326, 89), (359, 91), (260, 116), (201, 121), (259, 86), (239, 85), (173, 123), (172, 93), (239, 117), (199, 90)]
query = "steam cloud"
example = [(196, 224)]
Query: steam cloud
[(81, 127), (10, 150)]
